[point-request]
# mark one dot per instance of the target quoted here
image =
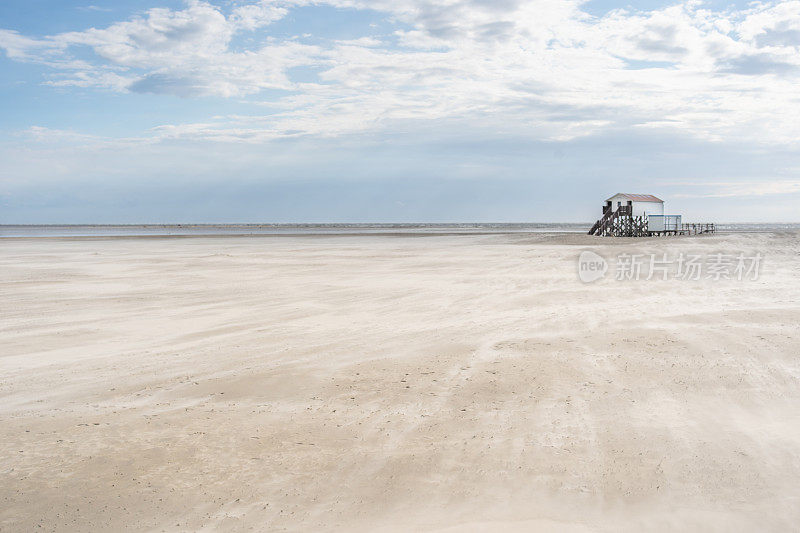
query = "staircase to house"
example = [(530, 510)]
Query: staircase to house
[(620, 223), (605, 225)]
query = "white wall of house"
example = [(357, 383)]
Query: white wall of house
[(648, 208), (639, 208)]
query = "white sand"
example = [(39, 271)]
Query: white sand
[(394, 383)]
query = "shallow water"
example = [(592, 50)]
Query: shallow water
[(134, 230)]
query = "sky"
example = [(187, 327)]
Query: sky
[(170, 111)]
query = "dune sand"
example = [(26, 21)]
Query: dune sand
[(376, 383)]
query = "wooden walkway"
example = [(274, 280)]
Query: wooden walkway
[(686, 229)]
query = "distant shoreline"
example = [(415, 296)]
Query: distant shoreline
[(349, 229), (322, 229)]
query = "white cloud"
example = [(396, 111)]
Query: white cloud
[(743, 189), (540, 66), (23, 48), (94, 8), (253, 16)]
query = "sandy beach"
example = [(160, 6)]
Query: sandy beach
[(395, 383)]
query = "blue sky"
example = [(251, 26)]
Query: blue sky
[(405, 110)]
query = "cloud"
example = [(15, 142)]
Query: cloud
[(161, 83), (94, 8), (21, 48), (758, 64), (743, 189), (710, 74), (778, 37), (254, 16), (185, 52)]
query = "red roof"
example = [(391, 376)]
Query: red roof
[(638, 197)]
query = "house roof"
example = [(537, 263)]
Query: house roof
[(638, 197)]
